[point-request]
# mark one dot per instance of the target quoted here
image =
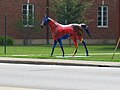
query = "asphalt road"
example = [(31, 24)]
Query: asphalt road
[(52, 77)]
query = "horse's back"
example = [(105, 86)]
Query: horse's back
[(73, 29), (67, 28)]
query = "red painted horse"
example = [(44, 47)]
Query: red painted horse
[(59, 31)]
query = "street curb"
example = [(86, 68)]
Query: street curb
[(59, 62), (47, 63)]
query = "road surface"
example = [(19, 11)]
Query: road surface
[(52, 77)]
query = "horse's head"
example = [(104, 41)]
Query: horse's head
[(45, 21), (86, 28)]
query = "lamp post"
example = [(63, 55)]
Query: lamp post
[(119, 20), (5, 34), (47, 13), (5, 29)]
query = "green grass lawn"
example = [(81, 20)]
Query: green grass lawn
[(96, 52)]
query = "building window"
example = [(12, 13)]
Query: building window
[(28, 15), (102, 16)]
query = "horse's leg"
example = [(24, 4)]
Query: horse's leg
[(55, 43), (61, 45), (76, 46), (84, 44)]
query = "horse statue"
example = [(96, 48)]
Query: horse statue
[(59, 32)]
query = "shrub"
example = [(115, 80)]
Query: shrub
[(9, 40)]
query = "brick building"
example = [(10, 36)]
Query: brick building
[(103, 16)]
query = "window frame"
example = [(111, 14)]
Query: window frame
[(102, 17), (27, 23)]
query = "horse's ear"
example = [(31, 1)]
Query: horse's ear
[(44, 15)]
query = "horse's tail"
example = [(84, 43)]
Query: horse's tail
[(86, 28)]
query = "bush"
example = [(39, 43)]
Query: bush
[(9, 40)]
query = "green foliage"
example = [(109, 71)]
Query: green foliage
[(35, 25), (72, 11), (28, 30), (9, 40)]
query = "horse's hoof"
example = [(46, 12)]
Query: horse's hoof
[(73, 55), (87, 55)]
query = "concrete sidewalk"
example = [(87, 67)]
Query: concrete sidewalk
[(58, 62)]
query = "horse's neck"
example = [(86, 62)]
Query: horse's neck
[(53, 24)]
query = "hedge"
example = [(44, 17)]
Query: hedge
[(9, 40)]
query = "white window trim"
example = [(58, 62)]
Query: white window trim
[(102, 26), (28, 14)]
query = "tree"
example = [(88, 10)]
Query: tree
[(28, 31), (70, 11)]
